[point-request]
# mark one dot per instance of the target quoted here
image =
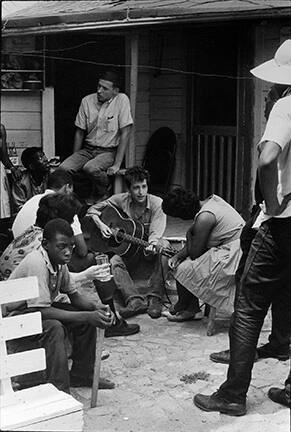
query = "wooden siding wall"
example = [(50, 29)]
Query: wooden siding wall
[(269, 36), (161, 97), (21, 116)]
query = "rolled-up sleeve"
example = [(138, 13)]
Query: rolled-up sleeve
[(81, 118), (124, 116), (278, 128), (32, 265)]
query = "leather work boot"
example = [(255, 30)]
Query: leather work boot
[(216, 403), (279, 396), (267, 351), (224, 357), (135, 306), (154, 307)]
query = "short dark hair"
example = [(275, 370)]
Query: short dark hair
[(56, 226), (136, 174), (181, 203), (57, 205), (28, 154), (59, 178), (112, 76)]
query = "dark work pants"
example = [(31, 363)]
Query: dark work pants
[(53, 340), (265, 281), (280, 336), (124, 267)]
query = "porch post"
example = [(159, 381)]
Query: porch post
[(132, 44), (48, 122)]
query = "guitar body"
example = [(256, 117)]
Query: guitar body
[(117, 220)]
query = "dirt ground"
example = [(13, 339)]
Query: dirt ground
[(158, 371)]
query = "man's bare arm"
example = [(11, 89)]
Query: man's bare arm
[(78, 139), (268, 175)]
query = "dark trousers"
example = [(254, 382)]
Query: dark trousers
[(265, 281), (54, 339), (279, 337)]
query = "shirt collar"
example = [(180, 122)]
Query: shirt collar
[(48, 262), (130, 201), (105, 104)]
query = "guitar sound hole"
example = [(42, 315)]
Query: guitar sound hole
[(119, 236)]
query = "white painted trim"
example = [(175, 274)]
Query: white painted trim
[(48, 122)]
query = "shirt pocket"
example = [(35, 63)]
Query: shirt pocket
[(111, 123)]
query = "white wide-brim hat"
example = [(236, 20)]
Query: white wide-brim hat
[(277, 70)]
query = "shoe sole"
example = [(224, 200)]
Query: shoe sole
[(227, 361), (278, 357), (233, 414), (123, 334), (131, 314)]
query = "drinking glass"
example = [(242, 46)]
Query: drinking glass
[(103, 262)]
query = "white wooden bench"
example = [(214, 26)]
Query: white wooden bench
[(40, 408)]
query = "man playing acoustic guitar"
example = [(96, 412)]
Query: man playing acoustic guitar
[(143, 207)]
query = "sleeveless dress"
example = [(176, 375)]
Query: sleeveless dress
[(211, 277)]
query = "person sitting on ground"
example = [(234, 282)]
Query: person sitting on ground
[(80, 317), (5, 162), (34, 179), (205, 267), (145, 208), (62, 182), (50, 206), (62, 205)]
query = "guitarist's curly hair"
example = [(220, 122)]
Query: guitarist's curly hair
[(181, 203), (136, 174)]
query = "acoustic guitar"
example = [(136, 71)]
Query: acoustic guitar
[(127, 234)]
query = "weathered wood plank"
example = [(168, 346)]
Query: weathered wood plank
[(20, 326), (24, 138), (23, 102), (22, 363), (38, 404), (18, 289), (19, 121), (167, 114)]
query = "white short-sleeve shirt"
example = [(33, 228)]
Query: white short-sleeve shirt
[(27, 216), (278, 130), (102, 122)]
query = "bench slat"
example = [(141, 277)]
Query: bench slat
[(20, 326), (22, 363), (18, 289)]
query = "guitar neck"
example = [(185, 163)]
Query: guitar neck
[(136, 241)]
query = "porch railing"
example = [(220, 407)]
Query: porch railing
[(213, 159)]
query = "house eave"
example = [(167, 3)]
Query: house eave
[(130, 23)]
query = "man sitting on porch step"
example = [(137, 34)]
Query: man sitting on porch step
[(146, 209), (104, 121), (81, 317)]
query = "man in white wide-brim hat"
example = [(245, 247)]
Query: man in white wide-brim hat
[(267, 273)]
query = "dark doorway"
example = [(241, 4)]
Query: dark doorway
[(216, 145), (74, 73)]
